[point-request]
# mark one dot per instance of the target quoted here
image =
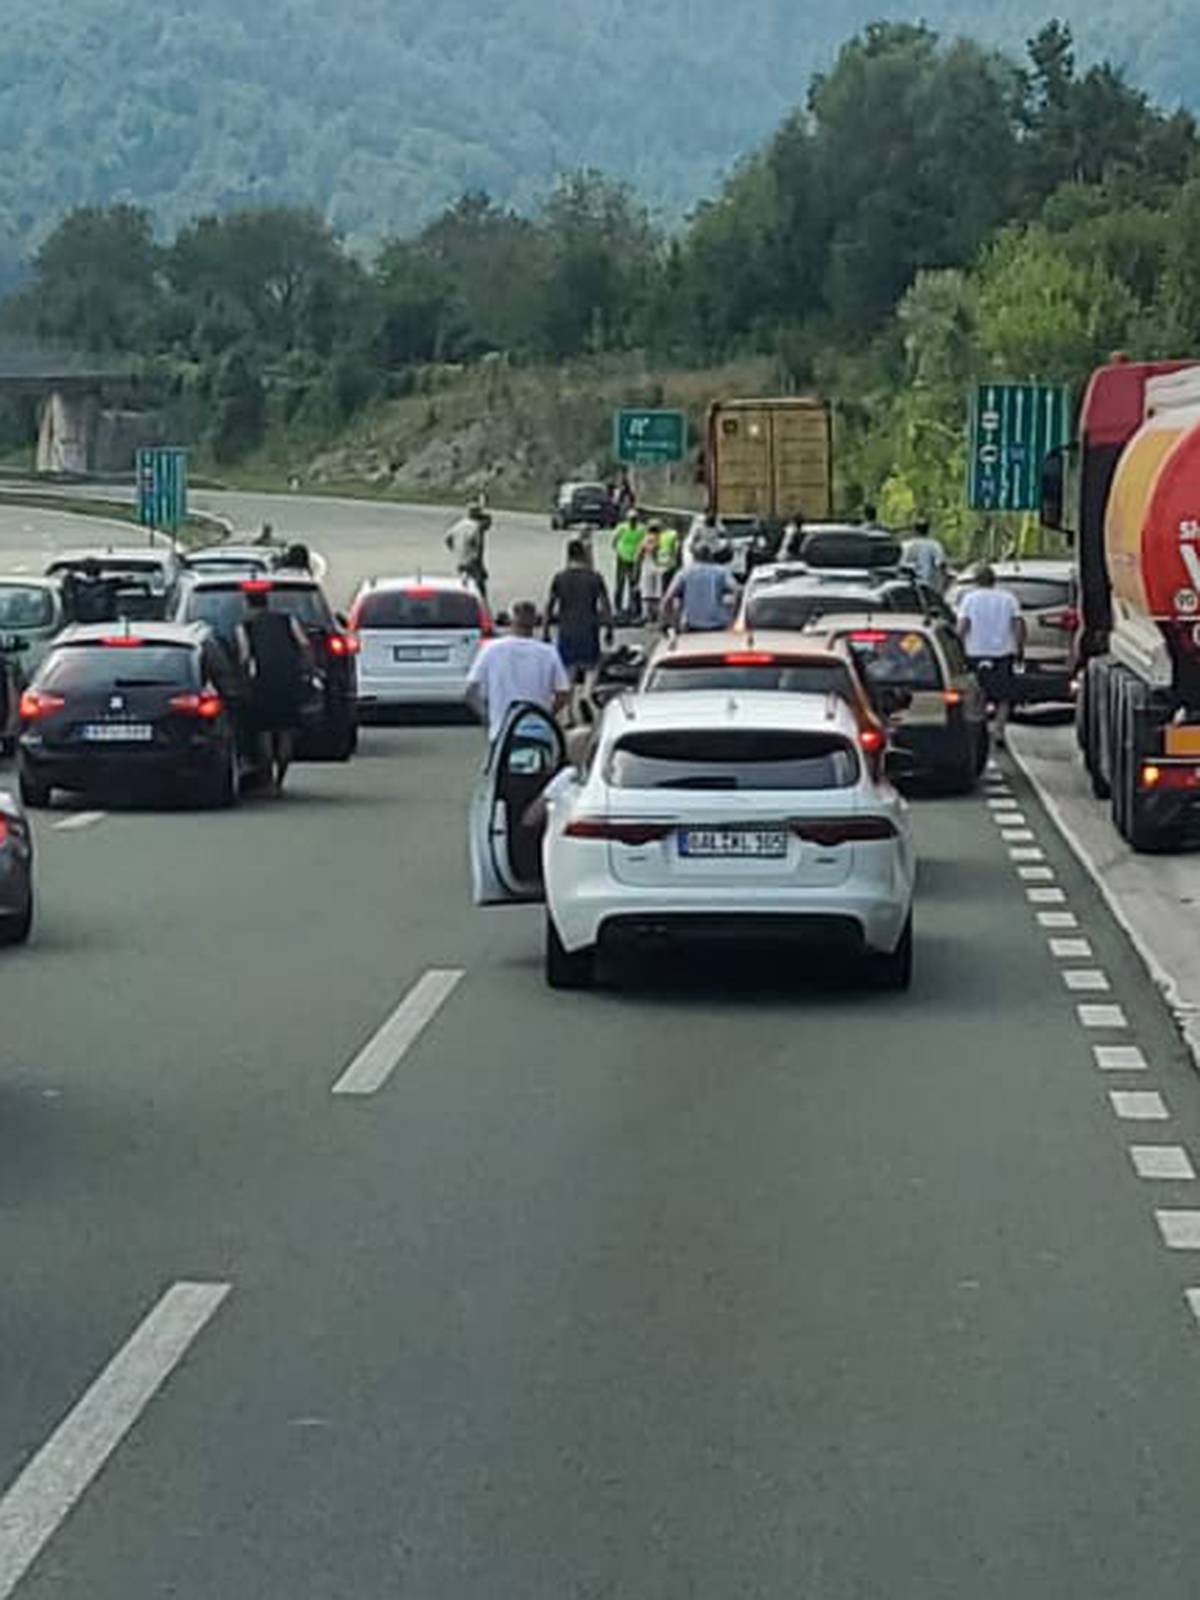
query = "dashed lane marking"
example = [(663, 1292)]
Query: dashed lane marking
[(38, 1500), (1093, 1016), (1180, 1229), (1162, 1163), (1035, 874), (1119, 1058), (1057, 919), (1002, 803), (1023, 852), (79, 819), (1009, 819), (1046, 897), (1018, 835), (1071, 949), (1139, 1105), (1086, 980), (382, 1054)]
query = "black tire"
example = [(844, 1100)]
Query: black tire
[(983, 749), (16, 930), (1118, 735), (33, 794), (1098, 695), (222, 788), (894, 972), (567, 969)]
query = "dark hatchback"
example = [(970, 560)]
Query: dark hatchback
[(148, 706), (330, 733)]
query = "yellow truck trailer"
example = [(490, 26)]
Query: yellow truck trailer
[(766, 460)]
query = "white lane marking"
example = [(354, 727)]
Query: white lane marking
[(19, 566), (1102, 1017), (1009, 819), (1035, 874), (1025, 852), (79, 819), (1003, 803), (1162, 1163), (1086, 980), (382, 1054), (42, 1495), (1046, 897), (1180, 1229), (1017, 836), (1138, 1105), (1071, 949), (1192, 1296), (1119, 1058), (1057, 919)]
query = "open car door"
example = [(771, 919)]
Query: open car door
[(506, 844)]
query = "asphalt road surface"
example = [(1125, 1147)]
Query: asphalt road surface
[(717, 1282)]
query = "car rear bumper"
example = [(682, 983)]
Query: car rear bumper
[(857, 914), (414, 689), (105, 769), (935, 748), (1043, 684)]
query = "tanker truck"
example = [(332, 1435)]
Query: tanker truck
[(1129, 492)]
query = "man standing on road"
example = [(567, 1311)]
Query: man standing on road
[(467, 540), (579, 607), (924, 555), (514, 670), (701, 597), (993, 632), (628, 540)]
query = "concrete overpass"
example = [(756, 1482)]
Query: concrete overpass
[(89, 417)]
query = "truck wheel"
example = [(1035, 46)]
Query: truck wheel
[(1118, 736)]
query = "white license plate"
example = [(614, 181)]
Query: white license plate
[(117, 732), (419, 653), (758, 843)]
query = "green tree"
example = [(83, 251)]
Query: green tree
[(95, 281), (239, 409)]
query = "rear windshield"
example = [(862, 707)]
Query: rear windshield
[(408, 608), (223, 609), (148, 571), (896, 658), (25, 607), (794, 677), (1032, 594), (791, 611), (732, 758), (102, 666)]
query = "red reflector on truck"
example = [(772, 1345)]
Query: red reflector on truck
[(1155, 775)]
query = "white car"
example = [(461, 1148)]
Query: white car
[(418, 639), (713, 815)]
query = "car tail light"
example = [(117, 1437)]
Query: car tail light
[(257, 585), (749, 658), (343, 644), (420, 591), (122, 641), (952, 697), (487, 627), (1066, 620), (868, 636), (842, 830), (617, 830), (872, 740), (207, 705), (3, 830), (35, 703)]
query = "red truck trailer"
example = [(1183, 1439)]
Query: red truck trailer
[(1129, 492)]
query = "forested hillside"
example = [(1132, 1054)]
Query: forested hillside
[(377, 112)]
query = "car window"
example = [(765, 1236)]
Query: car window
[(223, 609), (798, 677), (101, 666), (413, 608), (732, 758), (791, 611), (896, 658), (22, 606), (1038, 594)]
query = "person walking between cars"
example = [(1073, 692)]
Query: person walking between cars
[(628, 540), (701, 597), (515, 670), (993, 633), (468, 540), (579, 607), (274, 652), (925, 556)]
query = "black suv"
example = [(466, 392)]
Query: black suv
[(331, 734), (127, 707)]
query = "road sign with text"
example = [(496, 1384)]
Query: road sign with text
[(649, 438), (1014, 427), (162, 488)]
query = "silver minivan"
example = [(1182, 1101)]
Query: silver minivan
[(418, 639)]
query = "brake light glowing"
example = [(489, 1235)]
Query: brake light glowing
[(420, 591), (487, 627), (1066, 620), (122, 641), (35, 704), (617, 830), (842, 830), (749, 658), (207, 704), (953, 697), (872, 740), (3, 829), (868, 636), (257, 585), (343, 644)]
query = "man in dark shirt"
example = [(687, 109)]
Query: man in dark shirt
[(579, 606)]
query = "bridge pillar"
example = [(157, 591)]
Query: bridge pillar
[(67, 433)]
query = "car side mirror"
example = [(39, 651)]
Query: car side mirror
[(341, 619), (899, 764)]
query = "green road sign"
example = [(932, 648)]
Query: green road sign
[(162, 488), (1014, 427), (649, 438)]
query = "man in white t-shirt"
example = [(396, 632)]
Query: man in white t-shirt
[(993, 632), (515, 670)]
